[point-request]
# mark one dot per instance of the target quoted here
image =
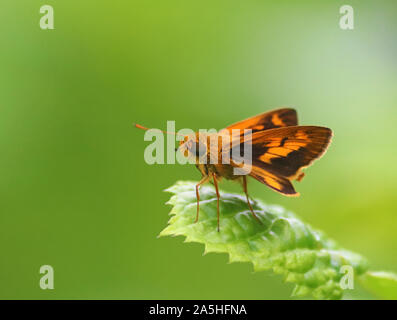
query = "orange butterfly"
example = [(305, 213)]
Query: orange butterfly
[(280, 150)]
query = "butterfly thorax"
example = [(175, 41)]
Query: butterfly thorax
[(210, 152)]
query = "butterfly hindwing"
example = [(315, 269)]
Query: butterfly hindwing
[(278, 183)]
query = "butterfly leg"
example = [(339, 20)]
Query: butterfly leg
[(203, 180), (248, 200), (217, 196)]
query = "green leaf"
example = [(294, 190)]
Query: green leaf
[(382, 284), (283, 243)]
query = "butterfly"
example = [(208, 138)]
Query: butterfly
[(280, 150)]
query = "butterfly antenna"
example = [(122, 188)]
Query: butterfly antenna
[(140, 127), (144, 128)]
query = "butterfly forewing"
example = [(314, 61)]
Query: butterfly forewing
[(269, 120), (278, 155)]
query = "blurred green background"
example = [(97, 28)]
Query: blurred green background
[(75, 191)]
